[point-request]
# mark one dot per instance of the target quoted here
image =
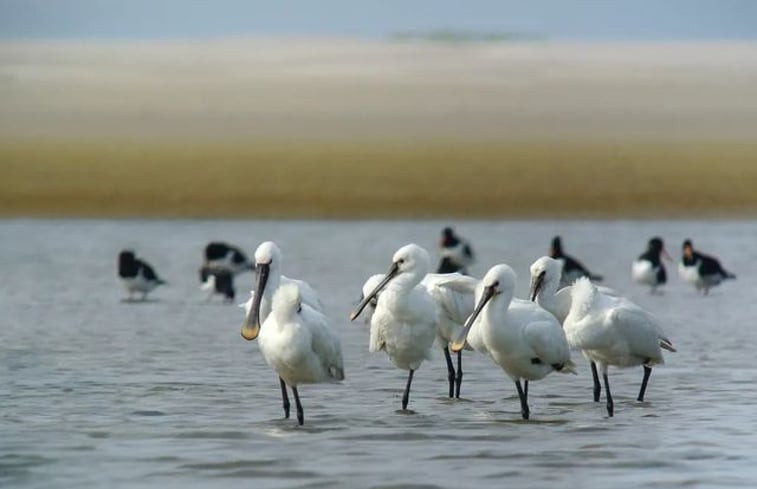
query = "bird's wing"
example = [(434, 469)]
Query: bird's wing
[(237, 256), (453, 293), (563, 298), (148, 272), (641, 330), (324, 342), (711, 266), (547, 339), (307, 293)]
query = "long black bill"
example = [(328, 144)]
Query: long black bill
[(393, 271), (251, 325), (459, 343), (536, 285)]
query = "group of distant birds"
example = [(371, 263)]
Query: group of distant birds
[(409, 309)]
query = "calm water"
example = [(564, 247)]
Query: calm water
[(95, 392)]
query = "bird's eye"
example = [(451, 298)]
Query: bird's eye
[(401, 261), (496, 284)]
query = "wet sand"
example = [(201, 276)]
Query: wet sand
[(349, 128)]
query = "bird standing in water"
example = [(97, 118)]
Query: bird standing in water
[(456, 253), (700, 270), (648, 269), (137, 275), (572, 269)]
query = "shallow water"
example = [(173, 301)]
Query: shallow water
[(95, 392)]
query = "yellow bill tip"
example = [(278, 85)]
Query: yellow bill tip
[(353, 315), (250, 333), (456, 346)]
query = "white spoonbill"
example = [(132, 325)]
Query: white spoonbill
[(268, 268), (268, 260), (298, 343), (526, 341), (453, 295), (545, 280), (613, 331), (404, 322), (648, 269)]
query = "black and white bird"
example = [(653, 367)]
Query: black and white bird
[(456, 254), (222, 255), (137, 275), (217, 280), (700, 270), (572, 269), (648, 269)]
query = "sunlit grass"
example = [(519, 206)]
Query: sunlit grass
[(344, 180)]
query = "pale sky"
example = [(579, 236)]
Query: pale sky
[(552, 19)]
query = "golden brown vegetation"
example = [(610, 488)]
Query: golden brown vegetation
[(346, 180)]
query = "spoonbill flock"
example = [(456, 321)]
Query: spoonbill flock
[(410, 309)]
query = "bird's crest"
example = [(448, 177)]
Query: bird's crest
[(286, 300), (584, 294)]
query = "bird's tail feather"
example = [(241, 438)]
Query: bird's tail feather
[(568, 368), (667, 345)]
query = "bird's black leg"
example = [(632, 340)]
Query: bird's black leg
[(610, 406), (300, 412), (597, 385), (450, 372), (459, 376), (284, 397), (406, 395), (524, 411), (647, 372)]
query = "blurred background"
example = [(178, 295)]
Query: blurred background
[(342, 109)]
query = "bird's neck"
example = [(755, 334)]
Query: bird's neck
[(497, 307)]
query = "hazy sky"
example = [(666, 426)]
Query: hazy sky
[(555, 19)]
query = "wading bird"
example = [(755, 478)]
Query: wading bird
[(648, 268), (137, 275), (298, 343), (613, 331), (404, 323), (700, 270), (526, 341)]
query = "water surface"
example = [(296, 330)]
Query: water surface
[(95, 392)]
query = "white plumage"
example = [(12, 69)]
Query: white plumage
[(453, 296), (545, 282), (268, 260), (298, 343), (526, 341), (404, 324), (613, 331)]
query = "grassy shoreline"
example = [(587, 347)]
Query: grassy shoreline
[(378, 179)]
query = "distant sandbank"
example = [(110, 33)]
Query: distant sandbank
[(355, 128)]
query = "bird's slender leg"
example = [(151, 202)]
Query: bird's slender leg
[(284, 397), (450, 372), (610, 405), (300, 412), (597, 385), (459, 376), (524, 411), (406, 395), (525, 389), (647, 372)]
